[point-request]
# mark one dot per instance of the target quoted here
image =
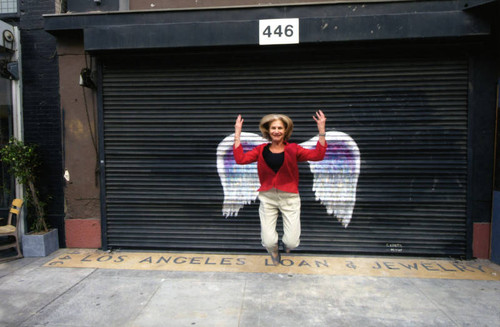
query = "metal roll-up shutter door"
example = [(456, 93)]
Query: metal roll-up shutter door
[(164, 116)]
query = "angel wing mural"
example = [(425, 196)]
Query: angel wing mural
[(334, 183)]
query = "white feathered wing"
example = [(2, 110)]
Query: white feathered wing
[(239, 182), (336, 176)]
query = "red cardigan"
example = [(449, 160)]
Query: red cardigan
[(287, 177)]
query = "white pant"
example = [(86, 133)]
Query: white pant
[(271, 202)]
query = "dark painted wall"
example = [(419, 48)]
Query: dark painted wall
[(92, 5), (482, 107), (41, 109)]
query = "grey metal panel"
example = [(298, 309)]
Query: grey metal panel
[(164, 117), (312, 30)]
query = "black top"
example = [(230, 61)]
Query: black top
[(273, 160)]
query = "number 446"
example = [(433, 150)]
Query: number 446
[(279, 31)]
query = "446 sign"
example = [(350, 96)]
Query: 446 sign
[(278, 31)]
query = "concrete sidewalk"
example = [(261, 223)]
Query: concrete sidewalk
[(34, 295)]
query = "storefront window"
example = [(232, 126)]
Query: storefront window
[(8, 6), (6, 182)]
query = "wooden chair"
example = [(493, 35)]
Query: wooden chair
[(12, 230)]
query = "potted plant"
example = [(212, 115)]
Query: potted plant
[(23, 162)]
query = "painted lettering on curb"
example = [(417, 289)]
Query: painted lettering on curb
[(289, 263), (428, 266), (193, 261), (104, 258), (241, 261)]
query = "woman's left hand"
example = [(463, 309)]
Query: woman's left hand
[(321, 121)]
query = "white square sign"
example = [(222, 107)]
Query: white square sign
[(278, 31)]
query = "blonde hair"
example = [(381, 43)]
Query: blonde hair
[(266, 121)]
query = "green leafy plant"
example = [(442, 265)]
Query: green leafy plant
[(23, 162)]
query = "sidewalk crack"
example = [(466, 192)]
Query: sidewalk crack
[(57, 297), (242, 302), (133, 319), (435, 304)]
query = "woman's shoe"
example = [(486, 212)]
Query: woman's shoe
[(285, 249), (275, 256)]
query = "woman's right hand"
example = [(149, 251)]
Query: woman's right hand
[(237, 130), (238, 125)]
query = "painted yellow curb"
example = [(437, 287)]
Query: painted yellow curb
[(290, 264)]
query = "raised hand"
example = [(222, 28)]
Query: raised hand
[(320, 119), (237, 130), (238, 125)]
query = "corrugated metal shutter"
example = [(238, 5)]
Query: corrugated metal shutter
[(163, 117)]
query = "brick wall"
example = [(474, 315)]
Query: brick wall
[(41, 108)]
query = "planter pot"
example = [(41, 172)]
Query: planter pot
[(40, 245)]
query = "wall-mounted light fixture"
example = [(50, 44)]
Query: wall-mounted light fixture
[(87, 78), (97, 2)]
